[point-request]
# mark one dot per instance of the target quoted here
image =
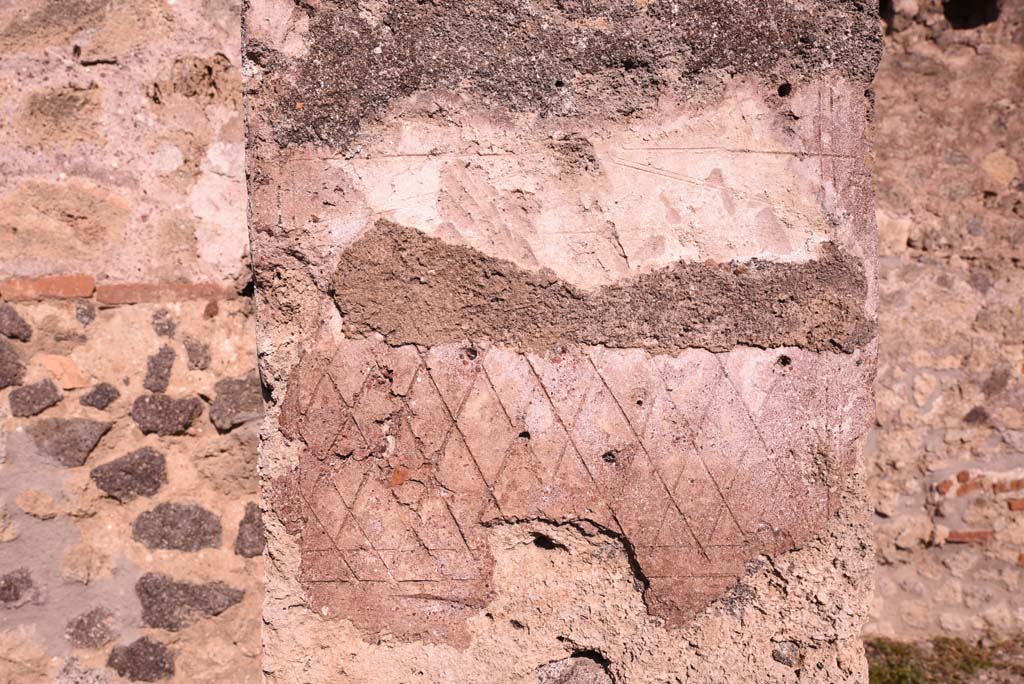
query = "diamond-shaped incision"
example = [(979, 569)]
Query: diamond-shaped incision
[(604, 439), (668, 438), (727, 439), (754, 374), (381, 517), (575, 494), (486, 428), (326, 505), (348, 475), (458, 473), (367, 565), (519, 489), (436, 527), (453, 368), (428, 415), (699, 495), (633, 380), (350, 365), (327, 565), (349, 441), (690, 379), (314, 536), (373, 409), (324, 415), (565, 376), (528, 407), (400, 364)]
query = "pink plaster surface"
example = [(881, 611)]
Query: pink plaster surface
[(698, 462)]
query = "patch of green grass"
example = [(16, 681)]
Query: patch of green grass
[(893, 662), (940, 661)]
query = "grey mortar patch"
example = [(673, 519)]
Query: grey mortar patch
[(415, 289), (572, 57), (173, 605)]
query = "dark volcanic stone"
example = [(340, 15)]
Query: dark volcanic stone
[(163, 324), (74, 672), (158, 370), (68, 441), (173, 605), (165, 416), (176, 526), (13, 325), (85, 312), (100, 397), (574, 670), (31, 400), (91, 629), (198, 354), (250, 540), (140, 473), (143, 660), (12, 370), (16, 588), (787, 653), (237, 401)]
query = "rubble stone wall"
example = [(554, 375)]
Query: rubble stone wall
[(130, 531), (948, 453)]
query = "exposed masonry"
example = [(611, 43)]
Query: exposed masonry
[(413, 288), (414, 452), (610, 57)]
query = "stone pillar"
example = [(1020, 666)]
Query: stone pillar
[(566, 309)]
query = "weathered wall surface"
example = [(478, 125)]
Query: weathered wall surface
[(567, 315), (948, 455), (130, 541)]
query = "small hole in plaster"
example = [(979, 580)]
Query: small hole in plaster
[(968, 14), (609, 457), (524, 435), (784, 361), (471, 353), (517, 624), (639, 402), (559, 83), (543, 541), (785, 89)]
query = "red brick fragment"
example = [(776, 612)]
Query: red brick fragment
[(965, 489), (1008, 486), (1020, 560), (113, 294), (1015, 505), (963, 476), (971, 536), (944, 487), (46, 287)]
